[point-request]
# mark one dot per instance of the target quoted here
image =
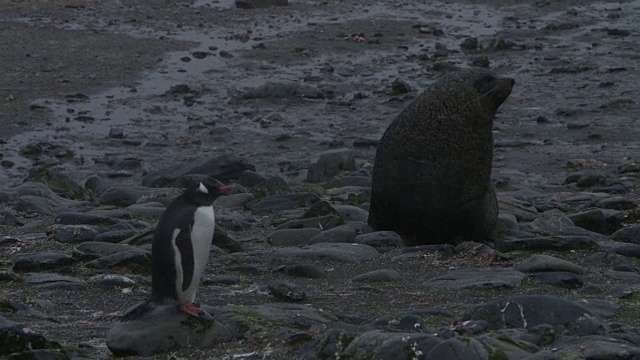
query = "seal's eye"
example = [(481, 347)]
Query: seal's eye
[(484, 84)]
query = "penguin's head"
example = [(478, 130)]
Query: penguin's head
[(205, 192)]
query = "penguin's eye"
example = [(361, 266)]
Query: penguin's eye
[(203, 189)]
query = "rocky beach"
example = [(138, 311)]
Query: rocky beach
[(108, 108)]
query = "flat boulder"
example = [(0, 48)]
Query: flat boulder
[(276, 203), (331, 251), (41, 261), (224, 168), (145, 329), (527, 311), (477, 278)]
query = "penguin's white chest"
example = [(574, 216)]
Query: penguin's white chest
[(204, 224), (201, 236)]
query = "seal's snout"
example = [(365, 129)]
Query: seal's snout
[(507, 82)]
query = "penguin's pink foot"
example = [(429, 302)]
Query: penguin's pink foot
[(192, 309)]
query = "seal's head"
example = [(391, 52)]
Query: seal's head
[(492, 87), (472, 91)]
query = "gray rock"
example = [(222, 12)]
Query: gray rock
[(539, 262), (320, 208), (352, 195), (477, 278), (96, 184), (9, 275), (164, 328), (380, 275), (221, 280), (331, 251), (554, 223), (530, 242), (623, 276), (136, 259), (256, 4), (154, 329), (53, 281), (628, 234), (377, 344), (341, 234), (302, 270), (292, 237), (224, 168), (593, 220), (510, 346), (33, 196), (559, 278), (71, 234), (250, 178), (78, 218), (607, 260), (602, 308), (286, 291), (111, 281), (588, 348), (41, 261), (115, 236), (276, 203), (9, 219), (337, 234), (235, 221), (333, 341), (8, 240), (618, 203), (526, 311), (92, 250), (223, 240), (352, 213), (458, 349), (123, 196), (22, 310), (505, 221), (42, 354), (330, 163), (620, 248), (353, 180), (587, 178), (522, 210), (381, 240), (322, 223), (539, 335), (271, 186), (15, 338), (56, 180), (150, 210), (234, 201), (280, 90)]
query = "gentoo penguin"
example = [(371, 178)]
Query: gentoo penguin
[(181, 245)]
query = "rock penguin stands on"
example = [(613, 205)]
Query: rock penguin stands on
[(180, 249), (432, 171)]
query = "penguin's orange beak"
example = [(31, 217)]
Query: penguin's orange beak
[(224, 191)]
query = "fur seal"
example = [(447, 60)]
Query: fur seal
[(432, 172)]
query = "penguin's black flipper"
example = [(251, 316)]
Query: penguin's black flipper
[(138, 311)]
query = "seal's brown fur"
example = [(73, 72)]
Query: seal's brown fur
[(432, 172)]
